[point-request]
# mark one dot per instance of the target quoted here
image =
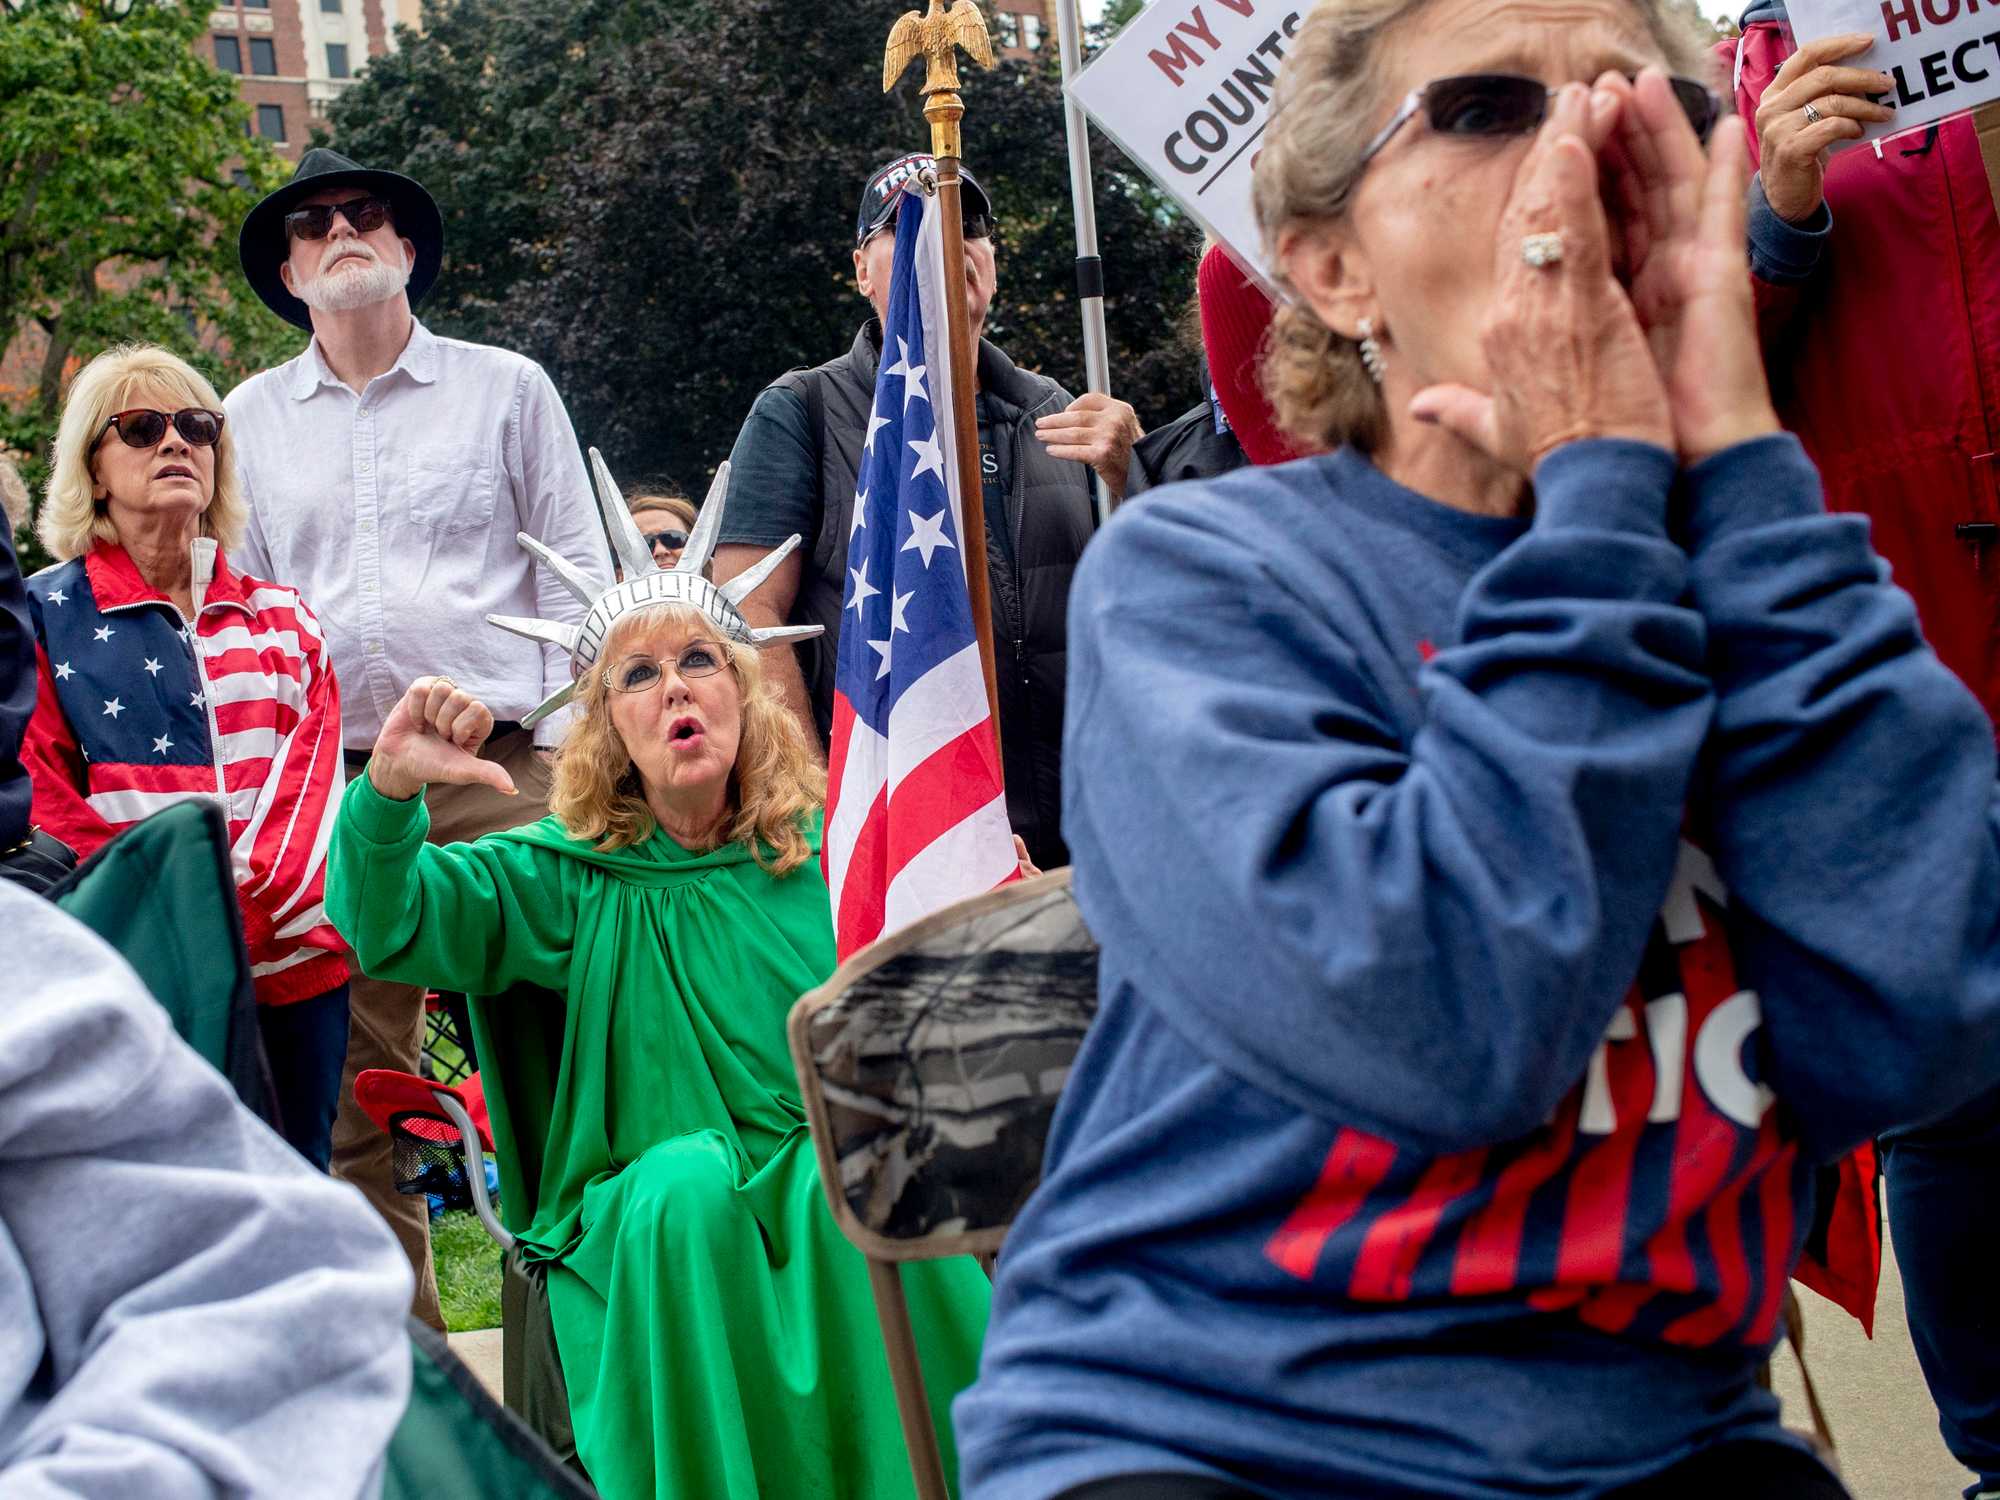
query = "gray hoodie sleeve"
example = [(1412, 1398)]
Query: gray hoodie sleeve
[(186, 1308)]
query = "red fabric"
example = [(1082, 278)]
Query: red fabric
[(1886, 363), (1853, 1265), (384, 1092), (1235, 317)]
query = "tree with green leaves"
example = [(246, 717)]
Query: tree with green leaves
[(656, 199), (125, 168)]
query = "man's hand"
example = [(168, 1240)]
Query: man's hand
[(1096, 430)]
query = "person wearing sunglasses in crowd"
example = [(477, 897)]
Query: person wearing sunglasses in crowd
[(164, 673), (1887, 254), (387, 472), (793, 470), (1524, 840), (664, 523)]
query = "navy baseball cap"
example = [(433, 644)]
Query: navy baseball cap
[(885, 191)]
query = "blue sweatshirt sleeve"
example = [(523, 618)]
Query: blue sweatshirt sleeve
[(1783, 253), (1426, 939), (1854, 807)]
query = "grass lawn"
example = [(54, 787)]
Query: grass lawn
[(468, 1272), (465, 1258)]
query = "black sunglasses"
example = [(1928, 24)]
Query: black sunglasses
[(142, 427), (1502, 104), (316, 223), (668, 539)]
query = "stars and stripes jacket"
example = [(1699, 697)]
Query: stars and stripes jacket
[(136, 710)]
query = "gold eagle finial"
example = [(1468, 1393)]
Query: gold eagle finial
[(937, 34)]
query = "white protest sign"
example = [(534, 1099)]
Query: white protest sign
[(1185, 91), (1943, 54)]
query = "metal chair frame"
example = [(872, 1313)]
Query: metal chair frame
[(885, 1255)]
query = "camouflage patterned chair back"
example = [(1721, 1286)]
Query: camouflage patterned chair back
[(930, 1065)]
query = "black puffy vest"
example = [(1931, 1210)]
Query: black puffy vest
[(1050, 517)]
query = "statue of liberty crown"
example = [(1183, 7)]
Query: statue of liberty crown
[(647, 584)]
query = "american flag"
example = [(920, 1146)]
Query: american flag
[(916, 815), (135, 712)]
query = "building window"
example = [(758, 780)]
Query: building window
[(271, 121), (256, 4), (263, 57), (228, 54), (1031, 33), (331, 7), (1010, 28), (336, 61)]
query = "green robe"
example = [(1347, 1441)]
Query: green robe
[(716, 1330)]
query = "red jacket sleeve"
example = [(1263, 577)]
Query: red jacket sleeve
[(56, 768)]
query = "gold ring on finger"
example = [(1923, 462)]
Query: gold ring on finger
[(1542, 250), (1813, 115)]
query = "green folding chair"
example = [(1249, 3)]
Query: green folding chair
[(163, 894)]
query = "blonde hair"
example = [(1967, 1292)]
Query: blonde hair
[(776, 785), (72, 519), (1323, 113), (675, 504)]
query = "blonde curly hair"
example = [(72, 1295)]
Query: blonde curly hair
[(776, 786), (1326, 107), (127, 375)]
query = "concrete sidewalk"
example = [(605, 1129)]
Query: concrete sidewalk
[(1884, 1425)]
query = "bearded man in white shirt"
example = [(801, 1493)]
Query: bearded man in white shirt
[(387, 471)]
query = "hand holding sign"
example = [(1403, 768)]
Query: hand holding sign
[(1792, 144), (1935, 58)]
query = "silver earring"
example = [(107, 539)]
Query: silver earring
[(1371, 351)]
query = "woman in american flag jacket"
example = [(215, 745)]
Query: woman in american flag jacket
[(163, 675)]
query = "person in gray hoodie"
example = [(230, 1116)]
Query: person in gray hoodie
[(186, 1308)]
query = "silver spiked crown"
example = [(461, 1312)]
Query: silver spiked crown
[(647, 584)]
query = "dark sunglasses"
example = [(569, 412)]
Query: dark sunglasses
[(142, 427), (1503, 104), (316, 223), (671, 540)]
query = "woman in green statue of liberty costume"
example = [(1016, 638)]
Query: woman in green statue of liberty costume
[(716, 1331)]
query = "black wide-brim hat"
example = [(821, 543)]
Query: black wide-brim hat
[(263, 247)]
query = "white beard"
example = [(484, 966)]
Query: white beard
[(361, 286)]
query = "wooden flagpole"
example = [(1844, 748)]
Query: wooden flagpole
[(936, 35)]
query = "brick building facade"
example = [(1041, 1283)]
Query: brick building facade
[(1024, 28), (293, 57)]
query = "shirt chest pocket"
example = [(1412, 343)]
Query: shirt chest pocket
[(450, 487)]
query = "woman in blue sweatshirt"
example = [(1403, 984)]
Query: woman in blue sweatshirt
[(1523, 841)]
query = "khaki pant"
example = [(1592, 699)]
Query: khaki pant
[(386, 1019)]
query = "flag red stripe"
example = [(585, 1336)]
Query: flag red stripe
[(1489, 1248), (1387, 1262), (1355, 1165)]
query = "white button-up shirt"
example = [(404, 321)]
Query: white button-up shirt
[(394, 513)]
